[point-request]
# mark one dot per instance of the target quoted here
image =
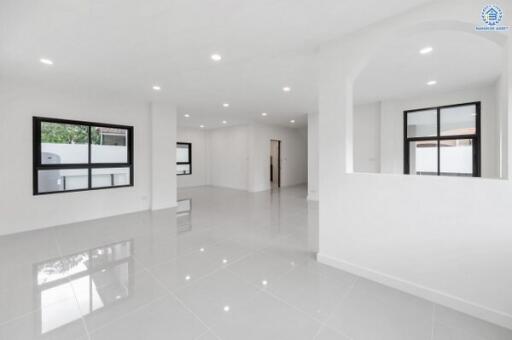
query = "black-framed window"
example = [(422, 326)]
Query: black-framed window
[(183, 158), (72, 155), (443, 141)]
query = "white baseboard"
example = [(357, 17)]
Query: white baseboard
[(169, 205), (481, 312)]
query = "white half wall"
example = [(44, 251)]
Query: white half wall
[(198, 139), (20, 210), (444, 239)]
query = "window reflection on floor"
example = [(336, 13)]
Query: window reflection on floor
[(99, 277), (184, 215)]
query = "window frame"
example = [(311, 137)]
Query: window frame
[(189, 163), (89, 166), (475, 138)]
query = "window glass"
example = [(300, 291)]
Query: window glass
[(183, 169), (459, 120), (110, 177), (109, 145), (183, 158), (64, 143), (457, 157), (423, 157), (62, 180), (80, 155), (182, 153), (422, 123), (448, 146)]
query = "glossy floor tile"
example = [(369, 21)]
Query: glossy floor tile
[(223, 265)]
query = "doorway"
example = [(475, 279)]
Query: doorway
[(275, 164)]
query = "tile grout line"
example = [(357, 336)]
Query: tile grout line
[(189, 253), (134, 310), (275, 297), (201, 335), (345, 296), (168, 293), (301, 311), (184, 305)]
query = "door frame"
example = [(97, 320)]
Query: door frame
[(278, 161)]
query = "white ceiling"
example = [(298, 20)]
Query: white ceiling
[(459, 60), (126, 46)]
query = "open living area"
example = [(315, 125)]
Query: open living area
[(249, 170)]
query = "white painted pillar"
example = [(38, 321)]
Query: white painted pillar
[(335, 137), (507, 120), (163, 154), (313, 156)]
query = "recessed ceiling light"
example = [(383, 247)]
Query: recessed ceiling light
[(426, 50), (432, 83), (186, 115), (287, 89), (225, 104), (224, 122), (202, 127), (264, 114), (216, 57), (226, 308), (187, 277), (292, 121), (46, 61), (264, 282), (156, 88), (224, 261)]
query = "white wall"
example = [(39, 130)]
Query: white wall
[(228, 157), (367, 141), (444, 239), (199, 157), (19, 209), (313, 156), (239, 156), (293, 156)]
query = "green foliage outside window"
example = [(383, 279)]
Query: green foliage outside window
[(59, 133)]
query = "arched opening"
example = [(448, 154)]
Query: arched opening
[(430, 100)]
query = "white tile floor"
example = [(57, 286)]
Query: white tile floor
[(237, 266)]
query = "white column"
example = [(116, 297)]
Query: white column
[(507, 120), (163, 154), (313, 156), (335, 141)]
